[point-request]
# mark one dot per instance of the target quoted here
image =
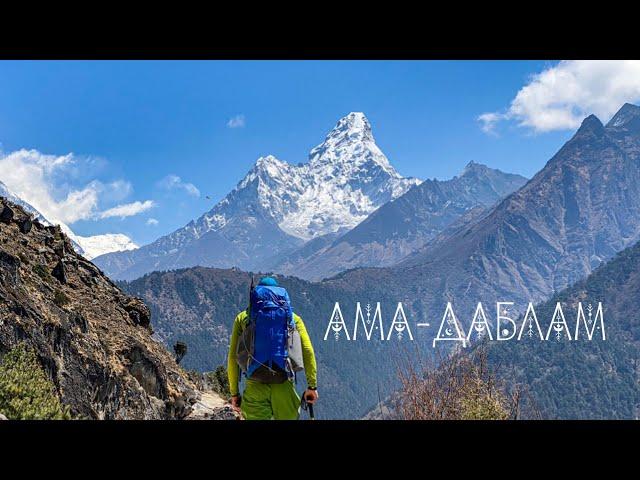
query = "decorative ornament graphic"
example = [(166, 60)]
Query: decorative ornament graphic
[(558, 329), (399, 329), (480, 330), (336, 327)]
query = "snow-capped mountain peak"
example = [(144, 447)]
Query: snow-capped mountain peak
[(627, 114), (350, 142), (89, 247), (346, 178), (354, 126), (12, 197), (97, 245), (279, 205), (265, 168)]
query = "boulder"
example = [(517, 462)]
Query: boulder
[(6, 215), (138, 312), (59, 249), (25, 224), (59, 272)]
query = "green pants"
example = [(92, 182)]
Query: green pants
[(264, 401)]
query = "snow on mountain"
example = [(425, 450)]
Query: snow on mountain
[(12, 197), (97, 245), (279, 205), (89, 247), (347, 177), (404, 225)]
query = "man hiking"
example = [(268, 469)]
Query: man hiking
[(270, 343)]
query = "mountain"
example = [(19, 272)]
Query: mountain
[(584, 379), (90, 247), (278, 205), (93, 340), (580, 210), (96, 245), (404, 225), (12, 197)]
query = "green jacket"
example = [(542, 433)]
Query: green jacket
[(308, 355)]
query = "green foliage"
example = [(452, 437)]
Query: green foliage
[(219, 381), (584, 379), (478, 404), (25, 391), (42, 272), (60, 298)]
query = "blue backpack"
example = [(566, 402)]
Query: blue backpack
[(269, 348)]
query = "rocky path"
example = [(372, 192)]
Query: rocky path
[(211, 406)]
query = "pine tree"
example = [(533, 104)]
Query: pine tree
[(26, 393)]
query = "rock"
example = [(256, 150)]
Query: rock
[(59, 272), (9, 267), (2, 417), (138, 312), (80, 321), (211, 406), (59, 249), (180, 348), (7, 214), (25, 225)]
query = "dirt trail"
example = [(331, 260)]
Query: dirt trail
[(211, 406)]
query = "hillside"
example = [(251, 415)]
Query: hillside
[(585, 379), (93, 340)]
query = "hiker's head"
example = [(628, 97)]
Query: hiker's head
[(268, 282)]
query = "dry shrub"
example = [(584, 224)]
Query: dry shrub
[(460, 386)]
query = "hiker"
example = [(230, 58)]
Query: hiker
[(270, 343)]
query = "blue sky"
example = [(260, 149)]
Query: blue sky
[(130, 125)]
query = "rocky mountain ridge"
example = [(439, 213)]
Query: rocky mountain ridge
[(93, 340), (404, 225), (90, 247)]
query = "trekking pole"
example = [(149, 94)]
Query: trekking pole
[(308, 407)]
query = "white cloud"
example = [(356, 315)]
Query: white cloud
[(117, 191), (173, 182), (561, 96), (152, 222), (128, 209), (44, 182), (237, 121), (30, 175)]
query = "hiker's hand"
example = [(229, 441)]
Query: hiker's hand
[(311, 396), (235, 402)]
